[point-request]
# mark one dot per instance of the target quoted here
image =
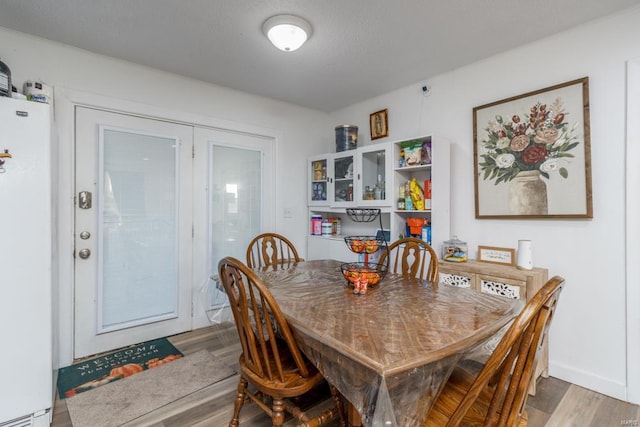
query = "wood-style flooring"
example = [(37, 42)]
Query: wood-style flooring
[(556, 403)]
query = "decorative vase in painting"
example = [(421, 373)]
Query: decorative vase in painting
[(528, 194)]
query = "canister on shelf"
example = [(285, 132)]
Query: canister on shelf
[(335, 226), (316, 225), (5, 80), (346, 137), (327, 228)]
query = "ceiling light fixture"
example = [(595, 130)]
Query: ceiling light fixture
[(287, 32)]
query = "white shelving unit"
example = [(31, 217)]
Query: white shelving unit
[(438, 171), (369, 161)]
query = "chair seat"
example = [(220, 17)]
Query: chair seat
[(293, 385), (454, 391)]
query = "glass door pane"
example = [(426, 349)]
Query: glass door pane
[(373, 170), (138, 266), (343, 171), (318, 180), (235, 204)]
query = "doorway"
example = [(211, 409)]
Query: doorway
[(235, 198), (157, 204), (133, 223)]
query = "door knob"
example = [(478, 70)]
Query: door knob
[(85, 235), (84, 253)]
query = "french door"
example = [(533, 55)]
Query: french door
[(133, 230), (234, 200)]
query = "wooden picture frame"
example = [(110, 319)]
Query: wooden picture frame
[(496, 255), (379, 124), (532, 155)]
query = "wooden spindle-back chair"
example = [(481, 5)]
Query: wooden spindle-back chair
[(412, 257), (271, 361), (271, 250), (498, 394)]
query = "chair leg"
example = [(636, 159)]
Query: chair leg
[(277, 416), (337, 397), (237, 405)]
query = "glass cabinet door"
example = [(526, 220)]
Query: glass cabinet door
[(318, 179), (344, 179), (375, 175)]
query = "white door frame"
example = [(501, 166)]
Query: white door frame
[(176, 141), (633, 231), (66, 100)]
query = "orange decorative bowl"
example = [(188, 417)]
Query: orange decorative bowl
[(352, 271)]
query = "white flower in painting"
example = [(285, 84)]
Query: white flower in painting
[(549, 165), (505, 160), (503, 142)]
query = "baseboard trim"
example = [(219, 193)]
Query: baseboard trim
[(587, 380)]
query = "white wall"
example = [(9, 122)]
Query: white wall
[(588, 335), (587, 340), (299, 131)]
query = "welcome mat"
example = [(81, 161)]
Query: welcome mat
[(122, 402), (91, 373)]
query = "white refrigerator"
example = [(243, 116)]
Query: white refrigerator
[(26, 215)]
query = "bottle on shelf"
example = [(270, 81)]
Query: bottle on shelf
[(400, 204), (426, 233), (379, 189), (408, 203)]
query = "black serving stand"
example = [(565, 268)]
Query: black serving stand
[(366, 244)]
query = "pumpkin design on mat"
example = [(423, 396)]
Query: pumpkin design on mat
[(126, 370), (157, 362), (90, 385)]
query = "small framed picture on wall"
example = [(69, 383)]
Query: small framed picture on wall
[(379, 124)]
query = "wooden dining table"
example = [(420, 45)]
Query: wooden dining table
[(389, 351)]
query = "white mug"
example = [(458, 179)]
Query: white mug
[(525, 261)]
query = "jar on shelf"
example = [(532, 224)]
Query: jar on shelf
[(327, 228), (316, 225), (369, 193), (454, 250)]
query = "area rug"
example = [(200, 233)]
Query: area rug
[(123, 401), (91, 373)]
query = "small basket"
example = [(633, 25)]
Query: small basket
[(363, 215), (364, 244), (353, 271)]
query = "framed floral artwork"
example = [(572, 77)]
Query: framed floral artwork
[(532, 156)]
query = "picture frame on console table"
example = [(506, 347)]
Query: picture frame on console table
[(496, 255), (532, 155)]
